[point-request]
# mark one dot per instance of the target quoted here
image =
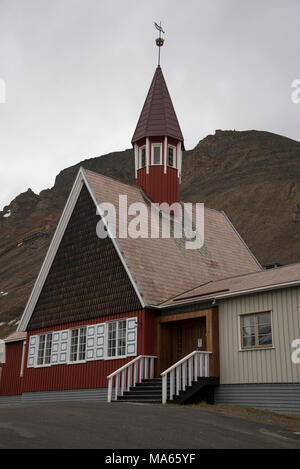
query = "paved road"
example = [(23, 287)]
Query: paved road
[(138, 426)]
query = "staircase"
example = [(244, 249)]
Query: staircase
[(186, 381), (148, 391)]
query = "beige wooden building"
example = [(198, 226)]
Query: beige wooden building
[(259, 336)]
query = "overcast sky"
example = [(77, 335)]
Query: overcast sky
[(77, 73)]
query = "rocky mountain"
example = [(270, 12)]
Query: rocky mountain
[(254, 176)]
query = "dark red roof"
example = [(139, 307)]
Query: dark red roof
[(158, 117)]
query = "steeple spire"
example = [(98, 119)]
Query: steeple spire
[(158, 115), (158, 141)]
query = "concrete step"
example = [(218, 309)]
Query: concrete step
[(139, 399), (142, 392)]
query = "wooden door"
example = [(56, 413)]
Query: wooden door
[(187, 337)]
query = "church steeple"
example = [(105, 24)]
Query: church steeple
[(158, 144), (158, 116)]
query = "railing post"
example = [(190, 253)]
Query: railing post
[(123, 382), (117, 386), (141, 369), (164, 389), (172, 375), (206, 365), (146, 367), (201, 365), (109, 391), (196, 367), (135, 373), (129, 377), (151, 368), (178, 379), (183, 375), (190, 371)]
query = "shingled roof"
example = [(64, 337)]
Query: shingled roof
[(163, 267), (158, 117), (270, 279)]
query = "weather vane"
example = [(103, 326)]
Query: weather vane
[(159, 41)]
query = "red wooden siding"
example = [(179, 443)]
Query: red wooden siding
[(92, 374), (158, 185), (10, 381), (148, 333)]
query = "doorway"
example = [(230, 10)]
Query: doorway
[(179, 338)]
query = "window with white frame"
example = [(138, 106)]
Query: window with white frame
[(116, 338), (156, 154), (171, 156), (142, 157), (44, 349), (256, 330), (78, 344)]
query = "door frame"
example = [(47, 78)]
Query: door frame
[(212, 335)]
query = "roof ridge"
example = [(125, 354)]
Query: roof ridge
[(110, 178), (151, 90), (163, 82)]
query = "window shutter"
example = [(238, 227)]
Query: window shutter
[(131, 339), (99, 342), (32, 350), (55, 348), (95, 342), (59, 349), (63, 346), (90, 342)]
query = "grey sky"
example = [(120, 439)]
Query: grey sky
[(77, 73)]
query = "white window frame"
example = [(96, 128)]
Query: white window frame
[(156, 145), (74, 362), (115, 357), (140, 157), (258, 347), (174, 156), (36, 358)]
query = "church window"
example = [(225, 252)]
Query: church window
[(78, 344), (156, 154), (44, 349)]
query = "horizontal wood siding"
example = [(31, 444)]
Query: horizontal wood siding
[(278, 397), (260, 366), (92, 374), (73, 395), (10, 381)]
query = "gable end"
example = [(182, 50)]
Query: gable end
[(87, 278)]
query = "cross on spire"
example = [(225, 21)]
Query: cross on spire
[(159, 41)]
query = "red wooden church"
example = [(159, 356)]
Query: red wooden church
[(98, 324)]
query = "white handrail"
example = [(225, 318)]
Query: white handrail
[(195, 365), (127, 375)]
